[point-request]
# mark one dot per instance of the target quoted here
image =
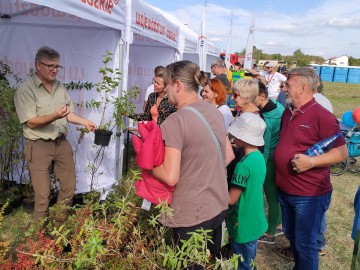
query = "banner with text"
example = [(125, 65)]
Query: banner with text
[(106, 12)]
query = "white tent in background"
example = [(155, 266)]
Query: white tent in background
[(190, 43), (155, 41), (205, 50), (212, 52), (137, 34)]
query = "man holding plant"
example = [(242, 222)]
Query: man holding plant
[(44, 108)]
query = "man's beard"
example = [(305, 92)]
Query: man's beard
[(288, 100)]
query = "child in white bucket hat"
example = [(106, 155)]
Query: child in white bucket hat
[(246, 219)]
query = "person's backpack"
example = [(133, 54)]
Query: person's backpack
[(353, 144)]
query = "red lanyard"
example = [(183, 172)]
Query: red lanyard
[(270, 78)]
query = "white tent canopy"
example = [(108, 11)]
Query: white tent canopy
[(191, 49), (139, 35), (107, 13), (80, 43), (148, 44)]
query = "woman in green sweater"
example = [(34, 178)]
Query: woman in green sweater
[(272, 112)]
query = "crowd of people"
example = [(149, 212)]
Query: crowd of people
[(284, 178), (219, 165)]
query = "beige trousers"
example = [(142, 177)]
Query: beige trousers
[(39, 156)]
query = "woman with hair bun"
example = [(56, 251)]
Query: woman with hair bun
[(194, 161)]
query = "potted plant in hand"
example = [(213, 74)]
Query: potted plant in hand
[(121, 105), (102, 136)]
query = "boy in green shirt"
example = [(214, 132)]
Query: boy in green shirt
[(247, 220)]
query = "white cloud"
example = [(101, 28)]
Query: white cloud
[(275, 44), (327, 28), (214, 40), (277, 28), (344, 22)]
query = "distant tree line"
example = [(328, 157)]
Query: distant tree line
[(354, 61), (297, 57)]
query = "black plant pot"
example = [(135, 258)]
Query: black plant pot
[(102, 137), (17, 202), (28, 206)]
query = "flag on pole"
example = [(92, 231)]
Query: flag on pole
[(229, 43), (202, 42), (250, 44)]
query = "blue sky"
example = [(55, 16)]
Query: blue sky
[(328, 28)]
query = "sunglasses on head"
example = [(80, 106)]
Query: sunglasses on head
[(235, 95)]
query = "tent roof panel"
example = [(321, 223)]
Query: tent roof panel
[(108, 13)]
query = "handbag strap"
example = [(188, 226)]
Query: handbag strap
[(216, 141)]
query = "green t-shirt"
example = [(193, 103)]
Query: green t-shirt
[(247, 220)]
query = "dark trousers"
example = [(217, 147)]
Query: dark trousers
[(214, 224), (40, 155)]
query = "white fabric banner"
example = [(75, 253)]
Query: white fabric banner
[(147, 21), (250, 45), (106, 12), (24, 12), (203, 43)]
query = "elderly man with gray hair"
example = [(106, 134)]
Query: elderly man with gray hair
[(303, 181), (219, 70)]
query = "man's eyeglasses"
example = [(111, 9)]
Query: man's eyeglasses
[(51, 67), (213, 66), (295, 74)]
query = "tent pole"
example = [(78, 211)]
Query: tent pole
[(120, 139), (124, 51)]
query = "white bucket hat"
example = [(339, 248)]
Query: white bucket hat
[(249, 128)]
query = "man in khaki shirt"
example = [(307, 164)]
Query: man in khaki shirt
[(44, 108)]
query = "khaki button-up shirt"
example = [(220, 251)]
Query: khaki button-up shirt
[(32, 99)]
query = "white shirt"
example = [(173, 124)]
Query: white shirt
[(323, 101), (273, 80), (149, 90), (227, 114)]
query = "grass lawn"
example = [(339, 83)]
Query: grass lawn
[(340, 215), (344, 97), (339, 221)]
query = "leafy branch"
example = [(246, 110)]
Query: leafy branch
[(123, 105)]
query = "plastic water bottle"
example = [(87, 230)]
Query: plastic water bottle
[(323, 146)]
